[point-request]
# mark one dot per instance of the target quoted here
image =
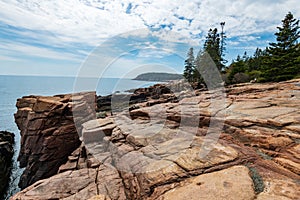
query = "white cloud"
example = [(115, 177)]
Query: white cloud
[(91, 21), (8, 58), (154, 53), (69, 20), (83, 24), (17, 51)]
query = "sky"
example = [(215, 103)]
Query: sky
[(122, 38)]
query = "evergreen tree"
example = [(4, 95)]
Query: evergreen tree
[(245, 56), (197, 76), (215, 46), (238, 66), (223, 44), (281, 61), (212, 47), (288, 34), (189, 66), (255, 61)]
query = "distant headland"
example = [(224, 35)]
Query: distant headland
[(158, 77)]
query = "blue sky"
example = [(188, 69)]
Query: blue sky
[(124, 38)]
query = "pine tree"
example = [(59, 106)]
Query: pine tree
[(281, 62), (223, 44), (245, 56), (215, 46), (189, 66), (197, 76), (237, 66), (212, 46)]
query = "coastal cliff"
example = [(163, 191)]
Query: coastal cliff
[(48, 132), (240, 144)]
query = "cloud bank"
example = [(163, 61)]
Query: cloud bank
[(70, 29)]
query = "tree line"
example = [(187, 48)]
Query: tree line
[(277, 62)]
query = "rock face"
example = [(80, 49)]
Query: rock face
[(6, 154), (48, 132), (241, 144)]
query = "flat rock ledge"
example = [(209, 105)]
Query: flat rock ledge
[(244, 147)]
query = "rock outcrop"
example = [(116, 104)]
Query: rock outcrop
[(6, 154), (156, 94), (48, 132), (241, 144)]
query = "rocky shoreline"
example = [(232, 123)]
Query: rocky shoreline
[(164, 143), (48, 132), (158, 93), (6, 154)]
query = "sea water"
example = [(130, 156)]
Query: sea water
[(14, 87)]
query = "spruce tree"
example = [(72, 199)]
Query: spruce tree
[(212, 47), (281, 62), (189, 66), (197, 76), (215, 46), (223, 45), (255, 61)]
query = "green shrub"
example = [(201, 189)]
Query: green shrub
[(241, 78), (101, 115), (254, 74), (257, 180)]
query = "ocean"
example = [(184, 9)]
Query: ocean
[(14, 87)]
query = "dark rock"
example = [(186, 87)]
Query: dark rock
[(155, 94), (6, 154)]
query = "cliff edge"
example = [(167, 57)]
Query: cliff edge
[(48, 132), (240, 144)]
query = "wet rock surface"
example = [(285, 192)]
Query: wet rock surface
[(203, 146), (6, 154)]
